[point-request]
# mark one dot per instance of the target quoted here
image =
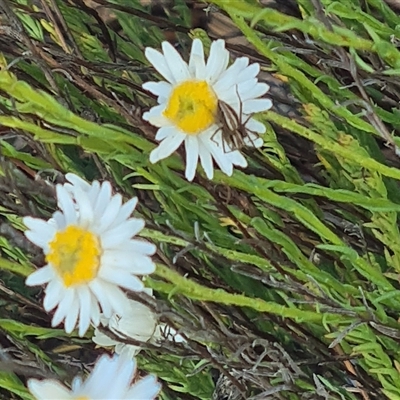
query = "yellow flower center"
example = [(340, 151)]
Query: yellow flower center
[(192, 106), (82, 398), (75, 255)]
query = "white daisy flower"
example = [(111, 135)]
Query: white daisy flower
[(90, 254), (138, 322), (188, 105), (110, 379)]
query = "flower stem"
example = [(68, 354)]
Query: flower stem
[(193, 290)]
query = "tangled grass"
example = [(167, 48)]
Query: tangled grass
[(283, 278)]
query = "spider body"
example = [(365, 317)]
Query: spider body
[(233, 129)]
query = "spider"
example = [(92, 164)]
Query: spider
[(233, 129)]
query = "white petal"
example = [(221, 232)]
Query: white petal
[(229, 77), (102, 339), (138, 323), (84, 309), (146, 389), (98, 292), (103, 199), (66, 204), (48, 389), (95, 309), (161, 89), (109, 214), (206, 161), (220, 157), (64, 307), (36, 224), (223, 162), (127, 350), (246, 87), (54, 294), (255, 126), (159, 63), (117, 258), (254, 141), (72, 316), (41, 276), (40, 232), (167, 147), (84, 206), (76, 385), (155, 116), (257, 105), (259, 90), (116, 297), (237, 158), (93, 193), (217, 61), (121, 278), (141, 246), (78, 181), (125, 212), (123, 377), (164, 132), (197, 66), (38, 240), (177, 66), (142, 265), (59, 219), (118, 235), (103, 319), (192, 156), (103, 374), (250, 72), (133, 262)]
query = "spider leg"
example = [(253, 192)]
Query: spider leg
[(213, 135), (223, 140), (251, 135)]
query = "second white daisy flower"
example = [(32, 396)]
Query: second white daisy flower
[(188, 105), (90, 254), (111, 379)]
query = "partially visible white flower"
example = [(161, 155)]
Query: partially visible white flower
[(138, 322), (188, 105), (110, 379), (90, 254)]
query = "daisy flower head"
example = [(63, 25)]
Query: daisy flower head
[(90, 253), (189, 104), (110, 379)]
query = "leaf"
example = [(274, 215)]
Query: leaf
[(21, 330)]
